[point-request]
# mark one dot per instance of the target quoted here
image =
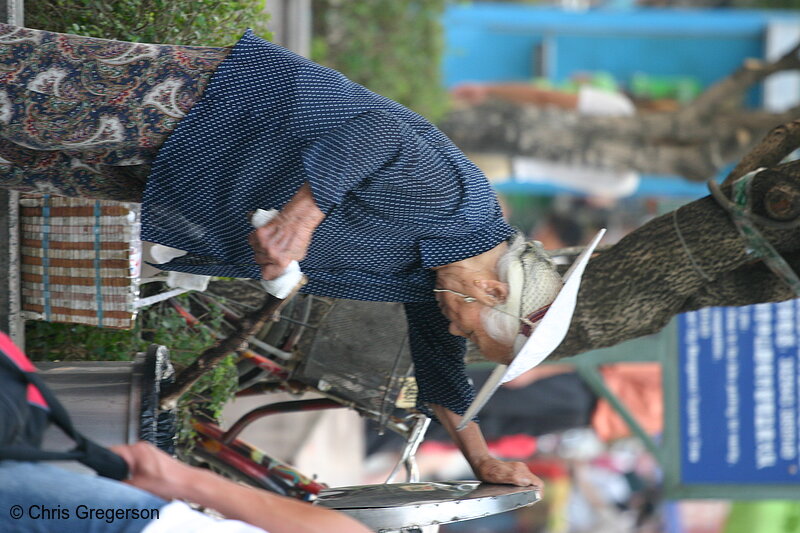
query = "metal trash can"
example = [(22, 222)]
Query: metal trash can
[(112, 402)]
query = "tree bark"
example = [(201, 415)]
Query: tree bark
[(779, 143), (687, 259), (694, 142)]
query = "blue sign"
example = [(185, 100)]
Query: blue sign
[(740, 418)]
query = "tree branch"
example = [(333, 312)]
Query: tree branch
[(693, 142), (778, 143), (735, 85), (235, 342)]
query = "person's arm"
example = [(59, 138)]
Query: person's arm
[(444, 388), (156, 472), (340, 159), (335, 162), (520, 93), (486, 467)]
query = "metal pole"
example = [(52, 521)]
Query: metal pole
[(11, 12), (10, 307), (290, 24)]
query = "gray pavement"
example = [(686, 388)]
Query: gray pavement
[(326, 444)]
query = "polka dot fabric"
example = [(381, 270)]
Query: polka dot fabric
[(399, 197)]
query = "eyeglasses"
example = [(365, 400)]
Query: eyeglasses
[(526, 322), (467, 298)]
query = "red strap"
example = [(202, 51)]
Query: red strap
[(8, 347), (15, 355), (35, 397), (536, 316)]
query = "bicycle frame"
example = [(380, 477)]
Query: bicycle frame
[(223, 450), (240, 459)]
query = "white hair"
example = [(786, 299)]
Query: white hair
[(501, 326), (533, 283)]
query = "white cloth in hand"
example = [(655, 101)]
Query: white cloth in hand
[(281, 286)]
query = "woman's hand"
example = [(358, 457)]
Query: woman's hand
[(287, 236), (485, 467), (492, 470)]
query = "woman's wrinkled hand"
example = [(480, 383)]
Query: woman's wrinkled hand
[(492, 470), (287, 236)]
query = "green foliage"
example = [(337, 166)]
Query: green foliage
[(160, 324), (188, 22), (45, 341), (208, 396), (392, 47), (164, 325)]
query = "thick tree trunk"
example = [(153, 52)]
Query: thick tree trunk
[(638, 285)]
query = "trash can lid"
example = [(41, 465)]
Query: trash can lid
[(402, 505)]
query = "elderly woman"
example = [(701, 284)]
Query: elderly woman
[(374, 201)]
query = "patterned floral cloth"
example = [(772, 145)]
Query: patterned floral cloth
[(85, 117)]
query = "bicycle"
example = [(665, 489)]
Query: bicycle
[(318, 346), (293, 355)]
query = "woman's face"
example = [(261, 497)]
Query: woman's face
[(465, 318)]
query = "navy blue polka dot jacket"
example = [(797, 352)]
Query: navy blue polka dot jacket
[(398, 196)]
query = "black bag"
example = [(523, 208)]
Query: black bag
[(27, 407)]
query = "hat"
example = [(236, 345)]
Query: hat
[(547, 324), (533, 284)]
